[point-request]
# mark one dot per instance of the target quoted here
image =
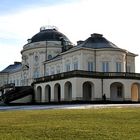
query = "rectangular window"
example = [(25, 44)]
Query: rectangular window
[(75, 66), (105, 66), (90, 66), (67, 67), (118, 66), (36, 74), (128, 69), (52, 73), (47, 73), (58, 71)]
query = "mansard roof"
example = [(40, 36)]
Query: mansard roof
[(96, 41), (49, 35), (13, 68)]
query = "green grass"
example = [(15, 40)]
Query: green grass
[(91, 124)]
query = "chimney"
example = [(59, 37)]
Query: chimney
[(96, 35), (80, 42), (29, 40)]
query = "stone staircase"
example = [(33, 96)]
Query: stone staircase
[(16, 93)]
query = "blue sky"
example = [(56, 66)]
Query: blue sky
[(117, 20), (11, 6)]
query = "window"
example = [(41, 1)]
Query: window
[(118, 66), (75, 66), (47, 73), (58, 70), (128, 69), (119, 91), (36, 74), (90, 66), (52, 72), (36, 58), (67, 67), (105, 66), (49, 56)]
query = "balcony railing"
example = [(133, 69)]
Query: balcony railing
[(87, 74), (11, 85)]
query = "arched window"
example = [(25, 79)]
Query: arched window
[(47, 93), (68, 91), (88, 91), (135, 92), (57, 92), (36, 58), (49, 56), (39, 94), (116, 91)]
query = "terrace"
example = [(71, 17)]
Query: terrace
[(88, 74)]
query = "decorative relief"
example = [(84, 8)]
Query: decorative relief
[(36, 44), (67, 60), (74, 59), (42, 52), (24, 57), (118, 58), (30, 54), (105, 58), (90, 58)]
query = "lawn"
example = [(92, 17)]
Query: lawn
[(90, 124)]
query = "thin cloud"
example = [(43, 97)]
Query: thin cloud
[(117, 20), (13, 6)]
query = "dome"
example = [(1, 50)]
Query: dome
[(49, 35), (97, 41)]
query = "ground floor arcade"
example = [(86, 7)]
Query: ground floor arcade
[(87, 89)]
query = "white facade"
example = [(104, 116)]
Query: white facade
[(86, 72), (92, 60), (88, 89)]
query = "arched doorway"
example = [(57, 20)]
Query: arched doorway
[(39, 94), (135, 92), (116, 92), (68, 91), (87, 91), (57, 92), (47, 93)]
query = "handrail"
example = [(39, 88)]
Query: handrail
[(13, 95), (11, 85), (91, 74)]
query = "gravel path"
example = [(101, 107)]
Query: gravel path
[(77, 106)]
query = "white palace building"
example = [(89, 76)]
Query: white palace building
[(54, 70)]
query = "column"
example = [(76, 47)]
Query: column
[(43, 94), (52, 93)]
